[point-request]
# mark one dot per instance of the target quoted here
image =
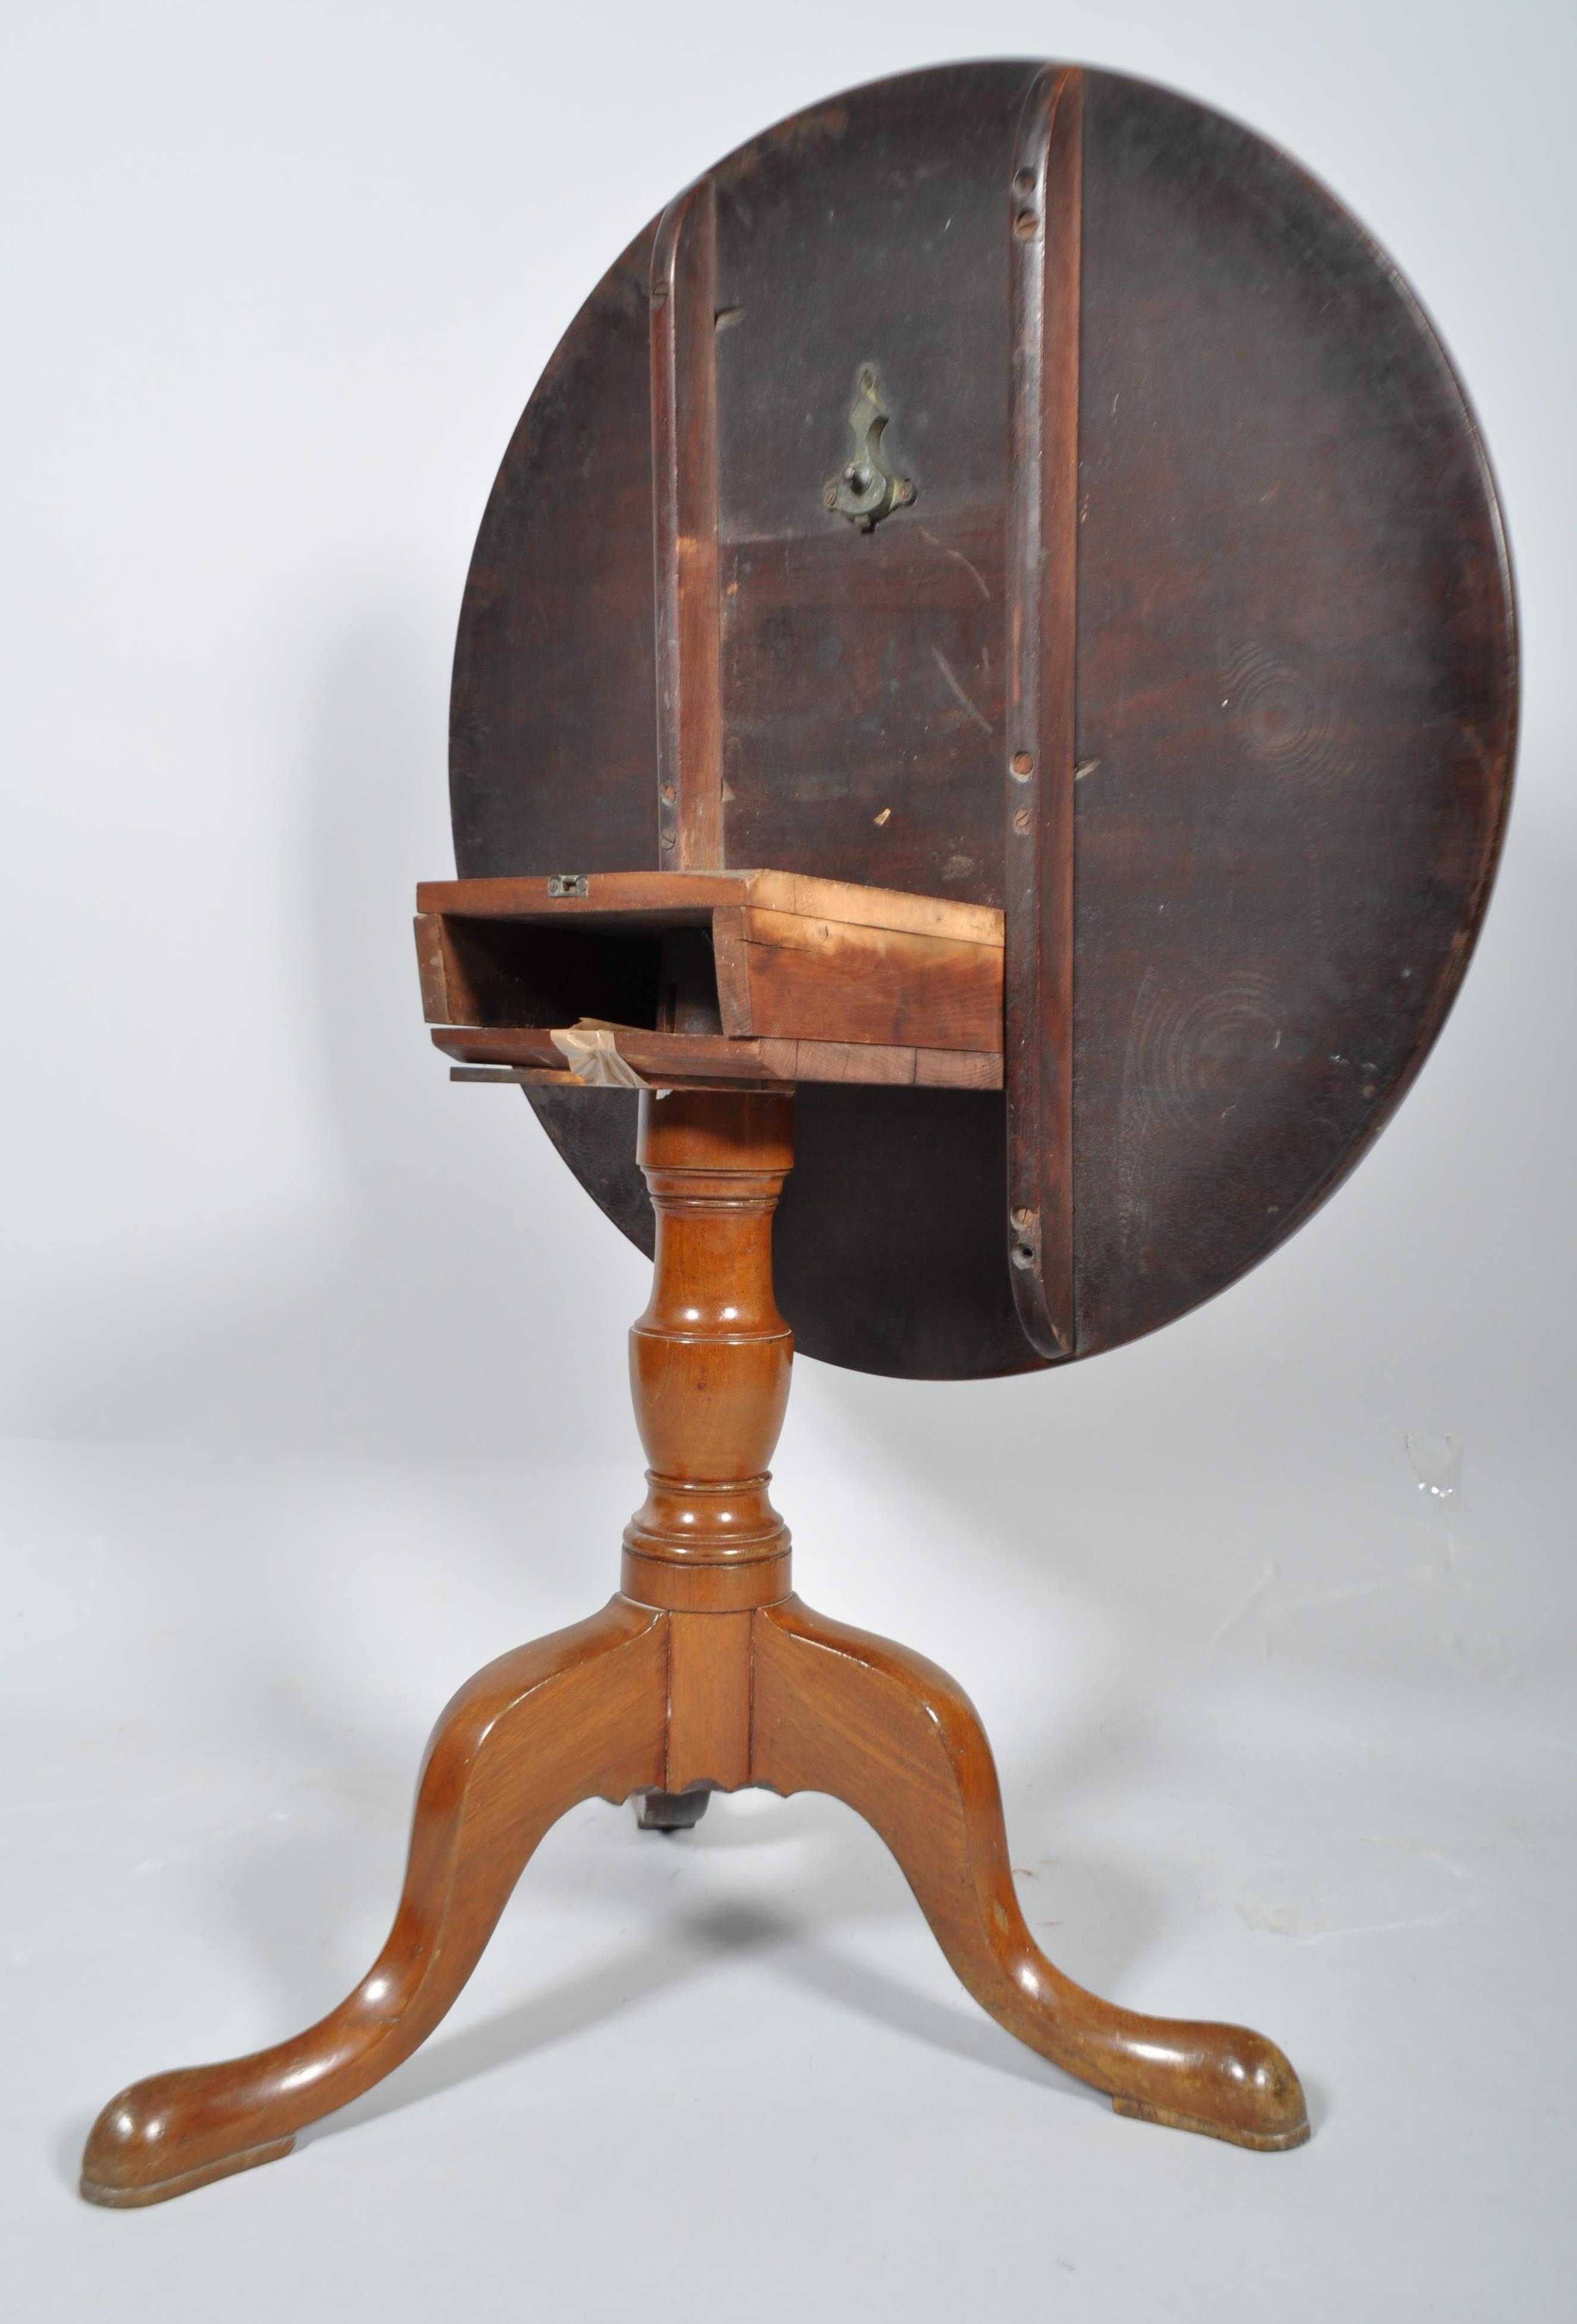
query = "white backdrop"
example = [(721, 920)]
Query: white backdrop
[(312, 1366)]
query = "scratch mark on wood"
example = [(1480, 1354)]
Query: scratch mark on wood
[(979, 717), (958, 557)]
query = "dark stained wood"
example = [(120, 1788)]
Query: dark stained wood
[(672, 1811), (553, 717), (1296, 698), (1296, 675), (862, 697), (886, 1181), (863, 673), (525, 973), (1043, 218), (930, 1167), (684, 452)]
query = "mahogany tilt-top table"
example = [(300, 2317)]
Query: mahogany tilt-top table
[(983, 725)]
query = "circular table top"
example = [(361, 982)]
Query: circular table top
[(1293, 646)]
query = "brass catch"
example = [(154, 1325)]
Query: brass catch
[(866, 489)]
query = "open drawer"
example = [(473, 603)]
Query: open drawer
[(763, 977)]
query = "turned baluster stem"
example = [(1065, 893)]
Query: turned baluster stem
[(709, 1360)]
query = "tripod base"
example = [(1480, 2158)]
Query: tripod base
[(704, 1674), (586, 1714)]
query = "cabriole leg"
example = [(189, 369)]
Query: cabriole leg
[(577, 1716), (886, 1731)]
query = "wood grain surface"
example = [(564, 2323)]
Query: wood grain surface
[(873, 987), (704, 1672), (1045, 208), (684, 454), (839, 1710), (1294, 680), (676, 899), (576, 1716)]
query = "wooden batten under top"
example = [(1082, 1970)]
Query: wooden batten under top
[(684, 485), (1047, 213)]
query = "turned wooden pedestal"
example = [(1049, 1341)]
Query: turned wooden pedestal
[(704, 1672)]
